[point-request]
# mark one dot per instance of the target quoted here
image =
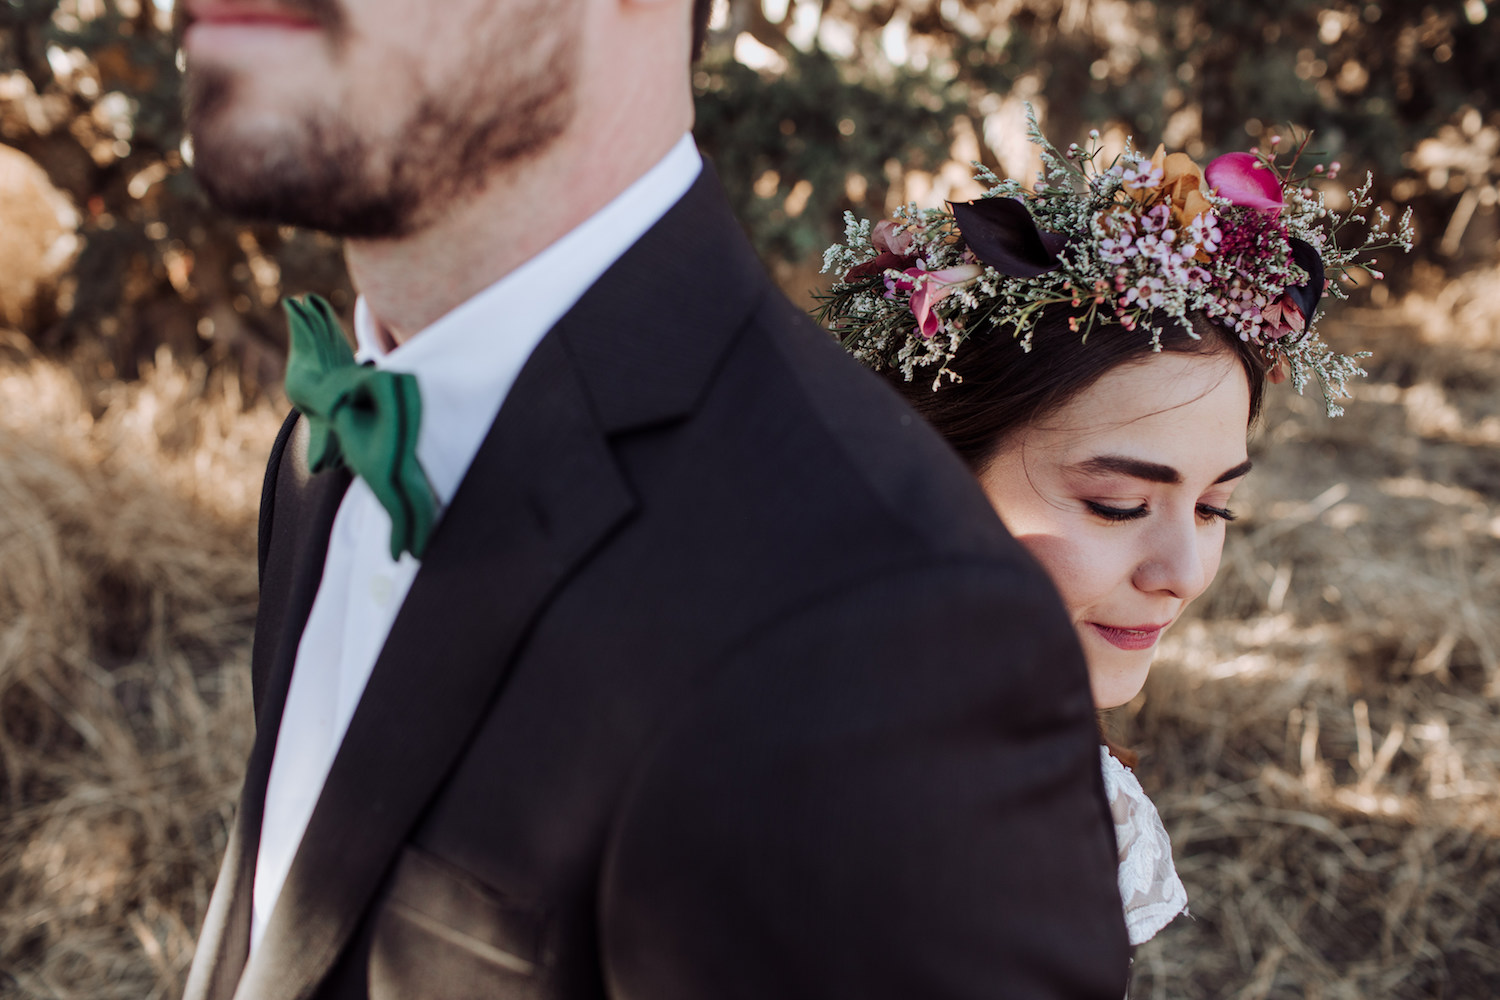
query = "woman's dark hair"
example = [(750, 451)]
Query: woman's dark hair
[(1005, 388)]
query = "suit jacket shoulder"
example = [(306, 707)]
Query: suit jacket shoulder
[(890, 793)]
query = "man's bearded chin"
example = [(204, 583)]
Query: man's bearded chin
[(317, 171)]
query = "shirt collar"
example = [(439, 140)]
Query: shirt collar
[(468, 359)]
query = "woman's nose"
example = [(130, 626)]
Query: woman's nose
[(1174, 559)]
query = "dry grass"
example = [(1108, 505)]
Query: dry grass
[(1321, 738), (127, 524)]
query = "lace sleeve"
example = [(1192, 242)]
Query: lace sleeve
[(1149, 886)]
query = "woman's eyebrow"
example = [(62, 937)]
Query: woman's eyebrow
[(1151, 472), (1235, 473)]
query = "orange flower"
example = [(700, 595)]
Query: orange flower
[(1182, 182), (1181, 187)]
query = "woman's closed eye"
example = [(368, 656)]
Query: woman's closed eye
[(1206, 512), (1111, 513)]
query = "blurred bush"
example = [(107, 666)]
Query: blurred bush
[(89, 90), (849, 95), (808, 107)]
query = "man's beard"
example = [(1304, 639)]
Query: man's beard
[(320, 171)]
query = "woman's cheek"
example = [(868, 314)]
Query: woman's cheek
[(1066, 561)]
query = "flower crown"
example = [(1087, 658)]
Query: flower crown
[(1246, 242)]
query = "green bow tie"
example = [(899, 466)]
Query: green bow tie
[(362, 418)]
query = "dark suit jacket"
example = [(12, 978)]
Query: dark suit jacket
[(720, 679)]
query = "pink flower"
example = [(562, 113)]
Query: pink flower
[(906, 281), (929, 288), (895, 252), (889, 236), (1283, 317), (1245, 180)]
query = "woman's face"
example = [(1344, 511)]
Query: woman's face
[(1123, 495)]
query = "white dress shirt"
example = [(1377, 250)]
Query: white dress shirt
[(465, 364)]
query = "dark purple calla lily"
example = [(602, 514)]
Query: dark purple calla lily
[(1306, 296), (1002, 234)]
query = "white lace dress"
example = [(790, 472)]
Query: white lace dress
[(1149, 886)]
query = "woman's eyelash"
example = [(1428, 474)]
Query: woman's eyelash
[(1116, 513), (1207, 512)]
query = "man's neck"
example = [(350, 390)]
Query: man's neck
[(413, 281)]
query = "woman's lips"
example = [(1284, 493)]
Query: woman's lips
[(1135, 637)]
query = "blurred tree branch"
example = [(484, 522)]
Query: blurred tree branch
[(1399, 89)]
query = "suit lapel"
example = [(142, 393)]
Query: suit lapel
[(542, 492), (302, 507)]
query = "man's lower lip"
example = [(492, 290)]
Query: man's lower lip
[(1128, 638)]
